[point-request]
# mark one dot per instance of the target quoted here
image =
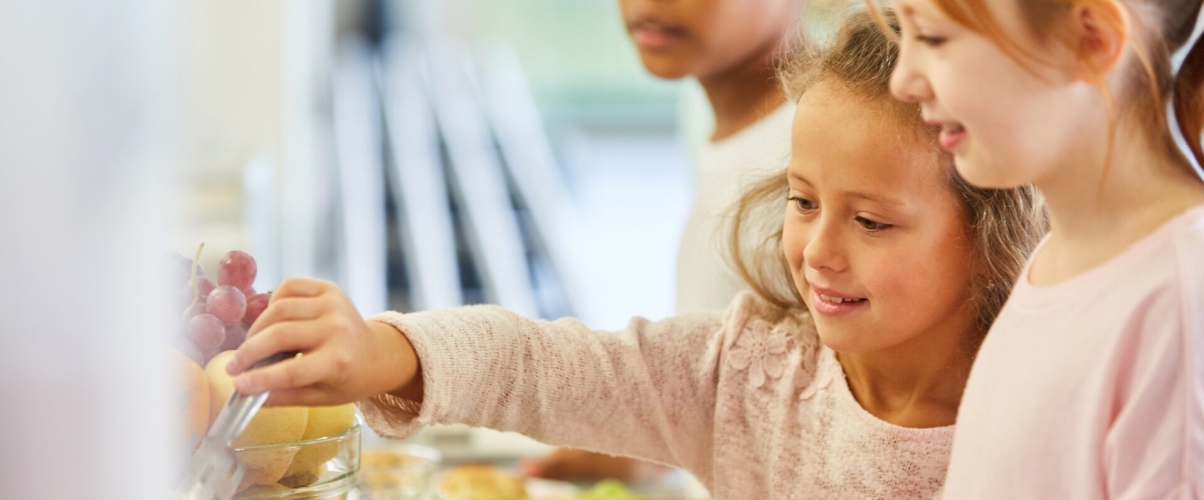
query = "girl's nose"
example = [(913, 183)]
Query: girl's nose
[(824, 251), (907, 84)]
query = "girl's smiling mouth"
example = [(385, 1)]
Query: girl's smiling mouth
[(829, 302)]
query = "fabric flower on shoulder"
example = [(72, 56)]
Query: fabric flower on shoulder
[(760, 351), (826, 369)]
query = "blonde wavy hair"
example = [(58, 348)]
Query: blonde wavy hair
[(1004, 224)]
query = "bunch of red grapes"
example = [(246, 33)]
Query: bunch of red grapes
[(217, 315)]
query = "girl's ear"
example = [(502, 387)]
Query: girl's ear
[(1101, 30)]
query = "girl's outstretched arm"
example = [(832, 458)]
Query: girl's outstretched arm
[(647, 391)]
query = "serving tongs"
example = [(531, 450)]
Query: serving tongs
[(213, 472)]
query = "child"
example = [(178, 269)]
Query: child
[(902, 264), (731, 47), (1091, 382)]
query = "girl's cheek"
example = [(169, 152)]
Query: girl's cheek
[(793, 245)]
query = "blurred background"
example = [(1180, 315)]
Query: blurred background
[(433, 154)]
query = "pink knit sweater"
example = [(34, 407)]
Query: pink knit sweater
[(756, 409)]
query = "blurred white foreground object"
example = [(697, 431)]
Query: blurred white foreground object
[(84, 152)]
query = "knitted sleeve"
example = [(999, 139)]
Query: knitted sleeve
[(648, 391)]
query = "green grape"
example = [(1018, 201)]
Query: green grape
[(608, 489)]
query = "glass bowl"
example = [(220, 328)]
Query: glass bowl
[(399, 472), (319, 469)]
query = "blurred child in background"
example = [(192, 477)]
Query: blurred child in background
[(731, 47)]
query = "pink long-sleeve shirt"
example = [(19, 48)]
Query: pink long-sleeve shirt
[(1094, 387), (756, 408)]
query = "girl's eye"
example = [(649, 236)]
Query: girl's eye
[(872, 225), (802, 203), (931, 41)]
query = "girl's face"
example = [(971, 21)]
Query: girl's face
[(704, 38), (873, 233), (1005, 124)]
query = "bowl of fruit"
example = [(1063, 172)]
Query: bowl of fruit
[(286, 452), (321, 468)]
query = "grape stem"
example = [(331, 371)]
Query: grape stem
[(196, 287)]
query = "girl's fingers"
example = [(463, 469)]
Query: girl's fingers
[(289, 397), (300, 336), (304, 396), (288, 374), (299, 287), (288, 309)]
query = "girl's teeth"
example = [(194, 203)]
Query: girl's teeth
[(837, 300)]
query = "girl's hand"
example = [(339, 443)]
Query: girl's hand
[(343, 358)]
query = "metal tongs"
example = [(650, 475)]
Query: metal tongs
[(213, 472)]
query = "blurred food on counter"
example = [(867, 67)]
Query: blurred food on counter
[(479, 482), (398, 471), (576, 465)]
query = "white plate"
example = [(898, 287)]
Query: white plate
[(546, 489)]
